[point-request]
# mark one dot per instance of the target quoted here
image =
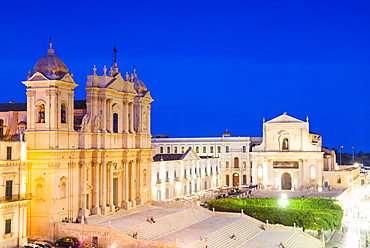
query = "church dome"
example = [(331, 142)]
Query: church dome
[(50, 65)]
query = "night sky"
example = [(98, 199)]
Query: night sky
[(210, 65)]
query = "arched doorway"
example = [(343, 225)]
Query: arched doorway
[(286, 181), (227, 180), (235, 179)]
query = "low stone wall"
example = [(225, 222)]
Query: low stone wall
[(106, 236)]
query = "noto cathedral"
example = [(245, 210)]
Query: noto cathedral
[(80, 157)]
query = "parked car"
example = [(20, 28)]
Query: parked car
[(67, 242), (43, 244), (30, 246), (89, 245)]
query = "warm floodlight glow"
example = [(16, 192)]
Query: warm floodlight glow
[(284, 200)]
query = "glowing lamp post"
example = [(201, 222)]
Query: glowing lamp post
[(283, 201)]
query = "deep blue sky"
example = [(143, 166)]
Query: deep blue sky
[(210, 65)]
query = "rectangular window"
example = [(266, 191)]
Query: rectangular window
[(227, 149), (185, 190), (167, 174), (219, 149), (244, 149), (175, 149), (184, 172), (197, 149), (211, 151), (182, 149), (115, 123), (8, 226), (157, 175), (175, 174), (9, 153), (244, 164), (168, 149), (227, 164), (204, 149), (161, 149)]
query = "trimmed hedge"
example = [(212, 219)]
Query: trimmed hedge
[(308, 213)]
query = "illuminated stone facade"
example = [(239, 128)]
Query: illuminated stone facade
[(183, 174), (290, 157), (85, 156), (13, 197)]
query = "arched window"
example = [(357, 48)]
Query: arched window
[(312, 172), (339, 180), (236, 162), (63, 190), (63, 113), (1, 127), (285, 144), (115, 123), (40, 192), (41, 113)]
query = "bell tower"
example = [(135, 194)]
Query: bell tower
[(50, 103)]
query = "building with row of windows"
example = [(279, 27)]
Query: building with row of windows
[(287, 157), (182, 174)]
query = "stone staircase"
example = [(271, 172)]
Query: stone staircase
[(301, 241), (243, 230), (99, 218), (167, 224)]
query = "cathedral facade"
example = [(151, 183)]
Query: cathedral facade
[(84, 156)]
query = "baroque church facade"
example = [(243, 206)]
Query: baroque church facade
[(83, 156)]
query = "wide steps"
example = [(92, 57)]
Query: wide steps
[(167, 224), (242, 229), (301, 241)]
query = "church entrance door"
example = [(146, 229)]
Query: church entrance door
[(235, 179), (286, 181)]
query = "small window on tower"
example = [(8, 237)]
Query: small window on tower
[(41, 113), (63, 113)]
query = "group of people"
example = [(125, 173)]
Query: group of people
[(150, 220)]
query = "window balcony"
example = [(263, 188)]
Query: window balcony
[(167, 180), (159, 181), (176, 179), (185, 177), (14, 198)]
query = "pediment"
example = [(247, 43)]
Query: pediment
[(285, 118), (190, 154), (38, 76), (119, 84)]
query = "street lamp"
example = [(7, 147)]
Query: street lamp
[(284, 200), (340, 154)]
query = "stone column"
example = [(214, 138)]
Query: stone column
[(83, 188), (131, 120), (138, 181), (96, 208), (31, 113), (104, 118), (132, 184), (125, 187), (104, 187), (125, 117), (70, 109), (111, 203)]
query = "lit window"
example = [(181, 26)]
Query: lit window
[(175, 149), (197, 149), (219, 149), (1, 127), (227, 164), (339, 180), (182, 149), (211, 149), (285, 144), (41, 113)]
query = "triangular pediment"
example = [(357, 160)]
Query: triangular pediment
[(119, 84), (285, 118), (38, 76), (68, 78), (190, 154)]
